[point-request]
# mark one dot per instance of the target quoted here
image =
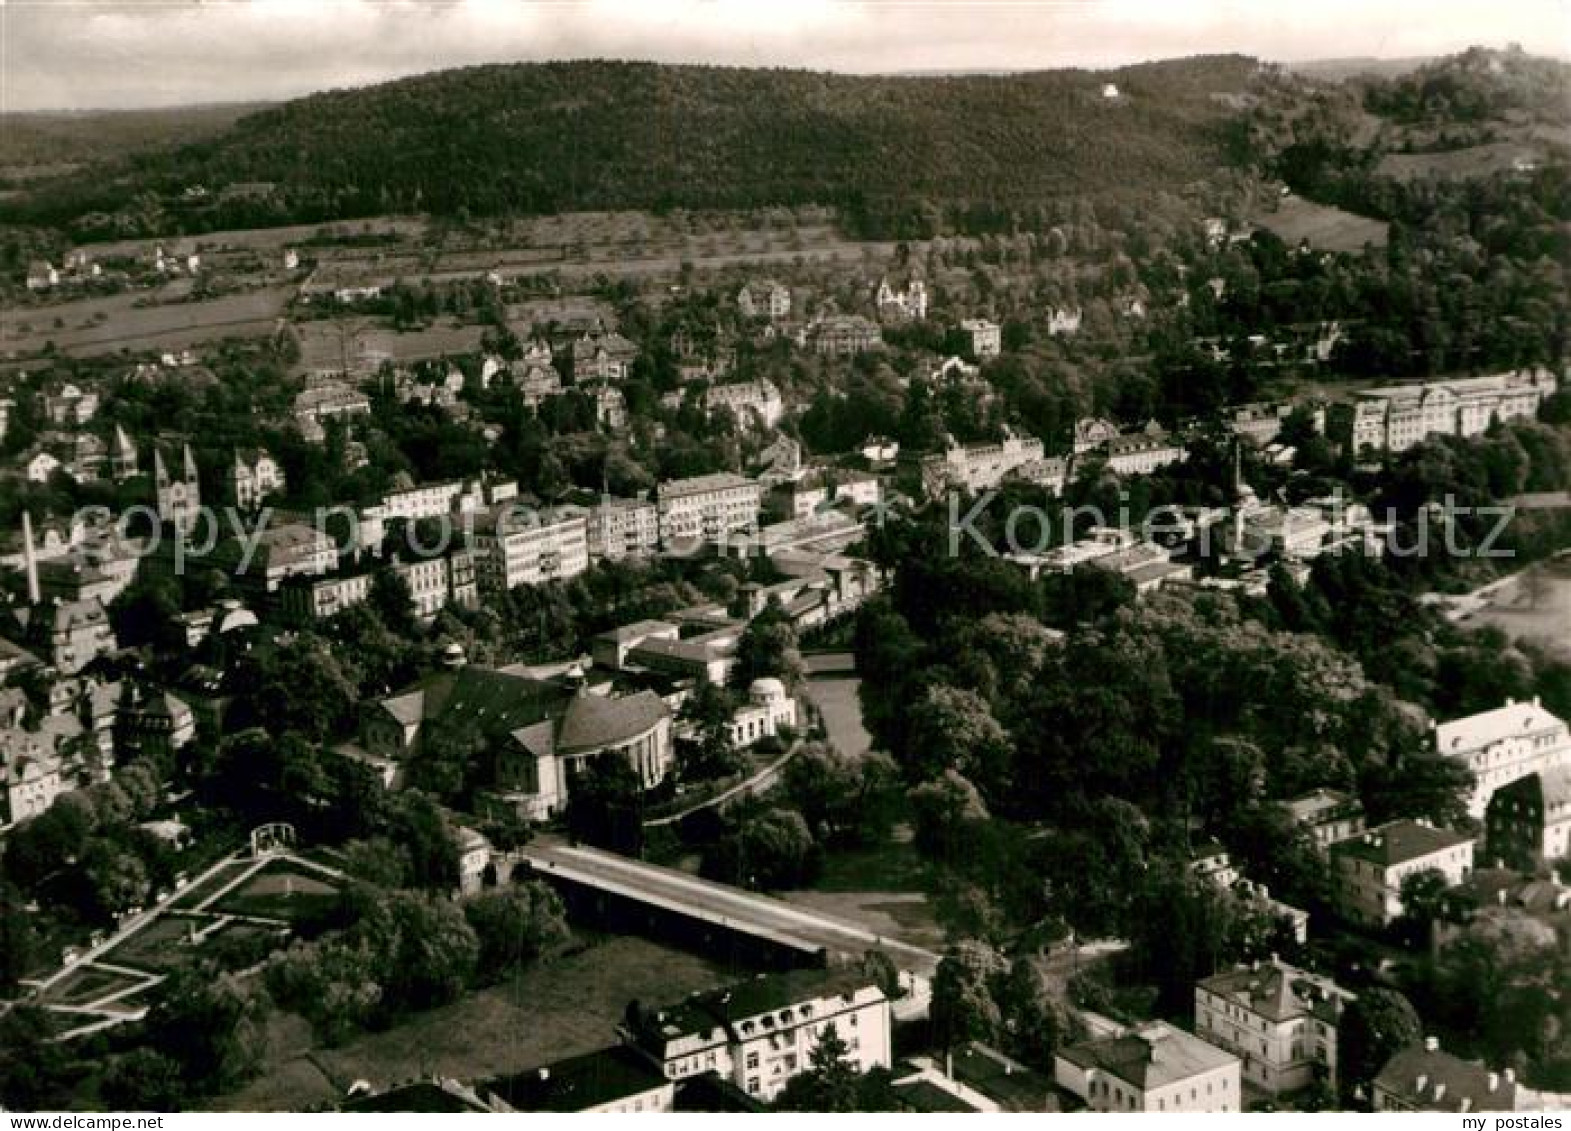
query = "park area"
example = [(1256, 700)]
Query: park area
[(1293, 220), (568, 1006)]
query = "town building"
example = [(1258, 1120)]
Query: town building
[(1063, 321), (1141, 453), (1368, 870), (602, 358), (303, 599), (29, 774), (618, 1080), (977, 467), (760, 1034), (254, 476), (1396, 417), (1262, 423), (70, 406), (1528, 821), (764, 298), (541, 732), (1427, 1078), (623, 528), (768, 708), (1157, 1067), (987, 338), (707, 507), (1500, 746), (1326, 816), (1280, 1021), (78, 633), (275, 554), (756, 402), (123, 461), (842, 335), (907, 304), (329, 400), (517, 546)]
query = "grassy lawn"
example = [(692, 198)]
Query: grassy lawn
[(1330, 229), (569, 1006), (280, 891), (159, 947), (194, 894), (87, 985), (882, 886)]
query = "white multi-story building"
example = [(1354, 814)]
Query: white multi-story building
[(987, 338), (1154, 1068), (1368, 870), (764, 299), (423, 500), (977, 467), (1500, 746), (759, 1034), (1280, 1021), (516, 546), (758, 401), (1141, 453), (1395, 417), (253, 476), (910, 303), (623, 528), (707, 507)]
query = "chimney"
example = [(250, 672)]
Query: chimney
[(30, 558), (1431, 1044)]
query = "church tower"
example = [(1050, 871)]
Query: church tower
[(179, 500)]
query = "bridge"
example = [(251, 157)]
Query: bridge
[(754, 928)]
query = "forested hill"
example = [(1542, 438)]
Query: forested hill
[(596, 134)]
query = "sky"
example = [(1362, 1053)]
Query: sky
[(79, 54)]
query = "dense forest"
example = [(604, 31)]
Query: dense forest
[(588, 135)]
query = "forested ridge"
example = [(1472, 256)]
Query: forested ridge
[(600, 134)]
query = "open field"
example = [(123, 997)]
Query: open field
[(842, 710), (569, 1006), (1535, 606), (259, 239), (1474, 161), (105, 325), (1329, 229)]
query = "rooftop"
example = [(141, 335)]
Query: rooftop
[(580, 1082), (1434, 1080), (1489, 727), (1397, 842), (1278, 992), (1153, 1056)]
